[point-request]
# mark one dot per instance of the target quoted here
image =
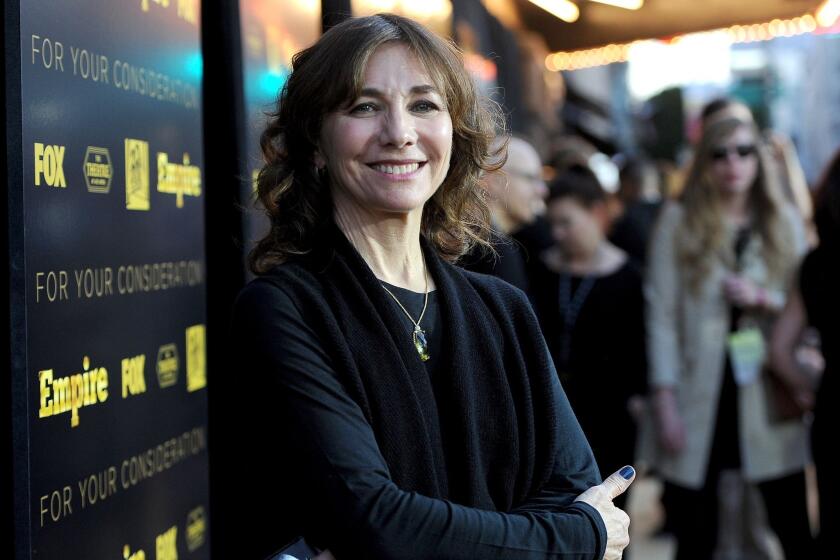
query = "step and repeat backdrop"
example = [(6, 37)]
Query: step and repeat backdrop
[(115, 279)]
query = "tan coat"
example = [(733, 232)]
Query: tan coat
[(687, 334)]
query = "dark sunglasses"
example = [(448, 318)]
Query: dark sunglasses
[(722, 152)]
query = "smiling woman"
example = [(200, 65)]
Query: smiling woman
[(416, 406), (295, 186)]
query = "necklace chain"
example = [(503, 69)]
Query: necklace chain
[(425, 299), (418, 336)]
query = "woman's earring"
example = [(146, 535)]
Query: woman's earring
[(321, 173)]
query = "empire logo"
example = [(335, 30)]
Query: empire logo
[(98, 170), (178, 179), (49, 165), (136, 174), (69, 394)]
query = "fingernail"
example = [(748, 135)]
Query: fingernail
[(627, 472)]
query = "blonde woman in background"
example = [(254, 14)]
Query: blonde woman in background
[(719, 262), (792, 182)]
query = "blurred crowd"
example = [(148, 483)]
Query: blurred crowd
[(691, 315)]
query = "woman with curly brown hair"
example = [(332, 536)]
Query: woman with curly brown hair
[(719, 263), (415, 403)]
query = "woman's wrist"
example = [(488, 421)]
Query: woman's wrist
[(663, 392), (761, 299), (663, 399)]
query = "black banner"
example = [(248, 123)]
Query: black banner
[(115, 279)]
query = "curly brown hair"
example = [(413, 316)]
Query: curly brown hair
[(328, 76)]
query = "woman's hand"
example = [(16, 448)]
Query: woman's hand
[(616, 521), (805, 399), (811, 364), (636, 407), (743, 292), (325, 555), (795, 356), (670, 426)]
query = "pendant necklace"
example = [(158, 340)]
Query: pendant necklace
[(418, 336)]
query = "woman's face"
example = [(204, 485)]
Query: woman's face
[(734, 162), (389, 150), (577, 230)]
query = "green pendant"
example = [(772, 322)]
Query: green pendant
[(420, 343)]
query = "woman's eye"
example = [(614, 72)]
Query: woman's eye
[(363, 108), (424, 107)]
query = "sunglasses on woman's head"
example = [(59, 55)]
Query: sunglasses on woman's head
[(722, 152)]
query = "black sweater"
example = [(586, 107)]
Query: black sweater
[(322, 468)]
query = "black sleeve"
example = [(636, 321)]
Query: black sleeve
[(575, 470), (636, 336), (352, 506), (810, 286)]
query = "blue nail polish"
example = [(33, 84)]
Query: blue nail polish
[(627, 473)]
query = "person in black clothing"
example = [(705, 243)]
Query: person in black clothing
[(815, 302), (589, 300), (641, 199), (413, 406), (516, 196)]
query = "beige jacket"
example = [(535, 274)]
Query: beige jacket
[(687, 334)]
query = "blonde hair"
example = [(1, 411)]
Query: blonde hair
[(703, 237)]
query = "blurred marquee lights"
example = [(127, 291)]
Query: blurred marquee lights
[(696, 58), (569, 12), (274, 44), (626, 4), (563, 9), (600, 56), (482, 68), (415, 9), (309, 6), (828, 13)]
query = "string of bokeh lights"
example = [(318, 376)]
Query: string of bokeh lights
[(609, 54)]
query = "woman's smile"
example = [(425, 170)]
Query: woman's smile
[(397, 170)]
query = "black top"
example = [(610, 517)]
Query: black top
[(606, 360), (322, 448), (726, 438), (631, 231), (534, 239), (819, 282)]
